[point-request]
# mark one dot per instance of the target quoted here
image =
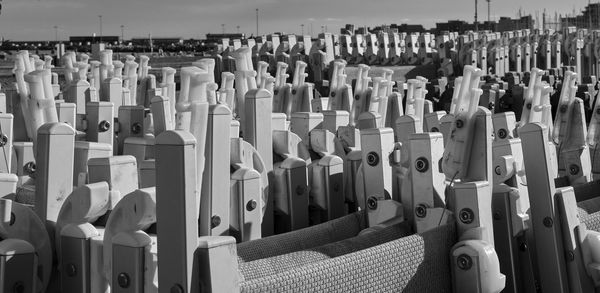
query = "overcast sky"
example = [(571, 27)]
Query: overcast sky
[(35, 19)]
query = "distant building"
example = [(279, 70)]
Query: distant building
[(398, 28), (410, 28), (219, 37), (93, 39), (361, 30), (503, 24), (347, 30), (454, 26), (509, 24), (589, 18), (156, 41)]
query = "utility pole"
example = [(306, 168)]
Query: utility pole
[(56, 33), (476, 24), (223, 28), (544, 20), (238, 29), (256, 22), (100, 17), (489, 4), (122, 34), (589, 9), (302, 29)]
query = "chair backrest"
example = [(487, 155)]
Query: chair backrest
[(417, 263)]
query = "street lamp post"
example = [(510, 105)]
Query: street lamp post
[(122, 33), (100, 17), (302, 27)]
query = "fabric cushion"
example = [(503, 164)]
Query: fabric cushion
[(277, 264), (417, 263), (589, 213), (307, 238)]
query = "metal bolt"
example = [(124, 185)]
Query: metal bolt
[(251, 205), (275, 92), (136, 128), (496, 216), (459, 123), (523, 246), (332, 94), (466, 216), (434, 129), (176, 289), (502, 133), (123, 280), (300, 190), (29, 168), (464, 262), (372, 203), (215, 221), (3, 140), (293, 92), (421, 211), (498, 170), (548, 222), (103, 126), (570, 256), (357, 97), (573, 169), (19, 287), (372, 159), (422, 164), (71, 270), (529, 106)]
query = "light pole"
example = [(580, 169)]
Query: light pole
[(100, 17), (56, 33), (302, 27), (476, 24), (238, 29), (122, 33), (257, 22)]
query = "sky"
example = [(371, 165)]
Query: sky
[(36, 19)]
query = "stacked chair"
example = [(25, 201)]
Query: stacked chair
[(290, 177)]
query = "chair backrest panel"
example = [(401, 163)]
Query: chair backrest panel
[(307, 238), (409, 264), (281, 263)]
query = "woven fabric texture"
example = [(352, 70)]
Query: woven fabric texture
[(307, 238), (591, 220), (281, 263), (417, 263)]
